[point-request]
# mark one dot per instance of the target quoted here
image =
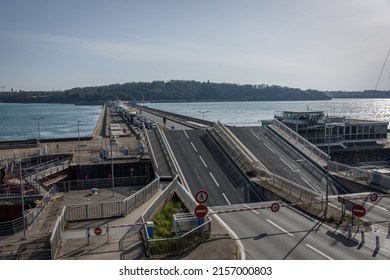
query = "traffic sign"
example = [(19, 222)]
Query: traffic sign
[(201, 196), (373, 197), (201, 210), (98, 230), (358, 210), (275, 207)]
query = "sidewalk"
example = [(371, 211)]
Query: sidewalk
[(79, 247)]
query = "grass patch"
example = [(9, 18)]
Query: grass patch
[(163, 220)]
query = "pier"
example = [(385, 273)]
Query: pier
[(120, 161)]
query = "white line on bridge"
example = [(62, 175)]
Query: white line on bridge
[(373, 205), (193, 146), (254, 211), (269, 148), (215, 181), (203, 161), (256, 136), (308, 184), (186, 134), (279, 227), (286, 164), (318, 251), (227, 200)]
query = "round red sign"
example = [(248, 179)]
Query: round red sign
[(201, 210), (275, 207), (201, 196), (98, 230), (373, 197), (358, 210)]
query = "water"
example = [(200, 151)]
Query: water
[(61, 120), (252, 112), (20, 121)]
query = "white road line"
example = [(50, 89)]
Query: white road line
[(254, 211), (193, 146), (308, 184), (318, 251), (255, 135), (279, 227), (227, 200), (379, 207), (186, 134), (215, 181), (269, 148), (203, 161), (286, 164)]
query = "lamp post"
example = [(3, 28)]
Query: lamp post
[(78, 131), (203, 112), (22, 193), (112, 169), (327, 171), (39, 128)]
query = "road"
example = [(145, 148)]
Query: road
[(201, 170), (290, 235), (275, 159)]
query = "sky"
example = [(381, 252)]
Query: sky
[(307, 44)]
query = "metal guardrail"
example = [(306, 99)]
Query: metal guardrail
[(284, 185), (98, 211)]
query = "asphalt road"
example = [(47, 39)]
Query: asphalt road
[(290, 235), (201, 170)]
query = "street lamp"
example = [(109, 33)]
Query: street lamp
[(112, 168), (22, 193), (203, 112), (39, 128), (327, 170), (78, 131)]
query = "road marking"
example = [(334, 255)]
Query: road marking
[(215, 181), (379, 207), (318, 251), (269, 148), (279, 227), (286, 164), (254, 211), (226, 199), (308, 184), (186, 134), (255, 135), (203, 161), (193, 146)]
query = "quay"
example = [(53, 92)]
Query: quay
[(138, 158)]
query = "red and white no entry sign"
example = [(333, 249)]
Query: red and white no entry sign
[(275, 207), (201, 210), (358, 210), (98, 230)]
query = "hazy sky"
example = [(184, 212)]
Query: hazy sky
[(316, 44)]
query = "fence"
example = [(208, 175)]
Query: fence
[(98, 211)]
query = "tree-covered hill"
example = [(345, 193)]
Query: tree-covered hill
[(165, 91)]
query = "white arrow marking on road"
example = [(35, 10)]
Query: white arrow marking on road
[(279, 227), (318, 251)]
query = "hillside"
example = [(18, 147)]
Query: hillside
[(165, 91)]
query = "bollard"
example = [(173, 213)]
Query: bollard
[(388, 230), (377, 243), (363, 236), (349, 231)]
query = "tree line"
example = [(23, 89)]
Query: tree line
[(165, 91)]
